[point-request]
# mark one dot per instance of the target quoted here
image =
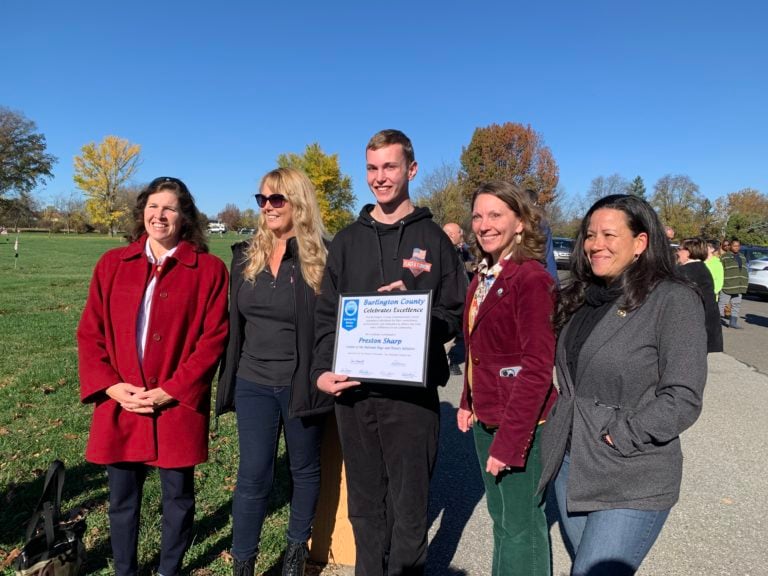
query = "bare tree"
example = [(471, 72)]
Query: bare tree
[(441, 192), (601, 187)]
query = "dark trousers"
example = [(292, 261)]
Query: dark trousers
[(457, 353), (390, 448), (260, 411), (126, 484), (520, 533)]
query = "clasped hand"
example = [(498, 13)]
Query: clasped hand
[(137, 399)]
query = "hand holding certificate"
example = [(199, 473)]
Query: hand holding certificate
[(381, 337)]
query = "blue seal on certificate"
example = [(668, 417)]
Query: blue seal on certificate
[(349, 319)]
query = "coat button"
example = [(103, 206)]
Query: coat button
[(153, 380), (163, 294), (156, 337), (475, 361)]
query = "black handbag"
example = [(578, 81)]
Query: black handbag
[(53, 545)]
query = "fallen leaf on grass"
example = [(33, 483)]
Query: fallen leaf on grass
[(70, 436), (4, 431), (225, 556), (12, 555)]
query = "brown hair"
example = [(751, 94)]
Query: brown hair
[(389, 137), (532, 245), (697, 248), (191, 221)]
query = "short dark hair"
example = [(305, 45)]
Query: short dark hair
[(655, 264), (388, 137), (696, 247), (191, 220)]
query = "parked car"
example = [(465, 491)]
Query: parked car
[(753, 252), (758, 278), (216, 228), (563, 248), (247, 231)]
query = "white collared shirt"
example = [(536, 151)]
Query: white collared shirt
[(142, 321)]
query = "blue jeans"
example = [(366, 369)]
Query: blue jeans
[(607, 542), (260, 411)]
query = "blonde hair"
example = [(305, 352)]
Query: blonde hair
[(297, 188)]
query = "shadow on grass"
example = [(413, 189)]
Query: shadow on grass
[(85, 486)]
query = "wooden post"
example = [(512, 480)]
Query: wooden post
[(332, 538)]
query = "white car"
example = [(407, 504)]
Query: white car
[(216, 228), (758, 278)]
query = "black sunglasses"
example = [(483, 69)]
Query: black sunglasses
[(276, 200)]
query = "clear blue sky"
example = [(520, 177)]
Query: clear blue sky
[(215, 91)]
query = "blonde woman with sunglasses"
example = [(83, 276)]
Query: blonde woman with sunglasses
[(275, 278)]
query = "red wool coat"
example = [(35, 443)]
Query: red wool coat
[(185, 340), (513, 329)]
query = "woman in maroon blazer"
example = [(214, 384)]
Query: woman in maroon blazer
[(508, 387), (149, 342)]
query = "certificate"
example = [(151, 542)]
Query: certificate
[(382, 337)]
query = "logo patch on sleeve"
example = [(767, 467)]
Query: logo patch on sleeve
[(417, 263)]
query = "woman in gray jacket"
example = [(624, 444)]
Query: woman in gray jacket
[(631, 364)]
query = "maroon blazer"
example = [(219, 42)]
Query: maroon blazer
[(185, 340), (513, 333)]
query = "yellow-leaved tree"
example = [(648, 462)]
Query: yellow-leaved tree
[(100, 172), (334, 189)]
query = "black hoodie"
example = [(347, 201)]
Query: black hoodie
[(367, 255)]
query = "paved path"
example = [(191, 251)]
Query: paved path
[(720, 525)]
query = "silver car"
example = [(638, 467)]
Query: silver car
[(562, 248), (758, 278)]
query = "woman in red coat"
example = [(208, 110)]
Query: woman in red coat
[(149, 343), (508, 389)]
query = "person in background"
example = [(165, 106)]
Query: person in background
[(467, 261), (149, 343), (389, 433), (631, 363), (691, 254), (508, 388), (669, 232), (549, 250), (456, 351), (715, 266), (725, 248), (735, 282), (275, 279)]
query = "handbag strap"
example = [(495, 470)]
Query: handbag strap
[(54, 478)]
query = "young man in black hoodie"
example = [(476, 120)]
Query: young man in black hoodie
[(389, 433)]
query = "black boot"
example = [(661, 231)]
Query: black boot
[(295, 559), (243, 567)]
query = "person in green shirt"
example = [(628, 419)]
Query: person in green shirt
[(735, 281), (715, 266)]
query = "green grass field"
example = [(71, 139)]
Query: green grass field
[(42, 419)]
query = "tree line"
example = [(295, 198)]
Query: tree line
[(104, 174)]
